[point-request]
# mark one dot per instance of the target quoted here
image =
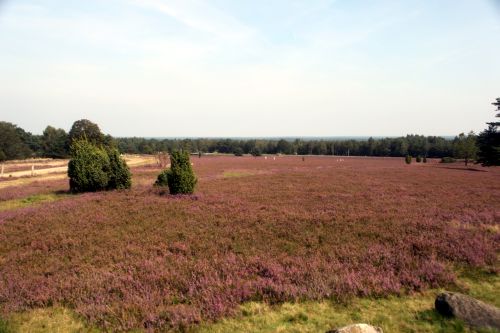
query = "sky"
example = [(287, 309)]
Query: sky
[(228, 68)]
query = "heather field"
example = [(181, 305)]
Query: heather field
[(259, 236)]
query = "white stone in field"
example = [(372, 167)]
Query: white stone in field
[(357, 328)]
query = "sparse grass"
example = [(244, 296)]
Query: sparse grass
[(29, 201), (5, 327), (237, 174), (48, 320), (481, 285)]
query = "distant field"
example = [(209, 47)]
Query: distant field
[(258, 232)]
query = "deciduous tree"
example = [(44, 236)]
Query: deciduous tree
[(465, 147), (85, 129)]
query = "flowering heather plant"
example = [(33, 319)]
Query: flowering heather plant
[(134, 259)]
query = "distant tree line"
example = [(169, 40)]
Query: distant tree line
[(431, 146), (15, 143)]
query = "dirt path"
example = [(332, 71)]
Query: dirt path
[(59, 172)]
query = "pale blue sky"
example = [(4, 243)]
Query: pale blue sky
[(250, 68)]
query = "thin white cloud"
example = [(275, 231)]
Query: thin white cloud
[(201, 16)]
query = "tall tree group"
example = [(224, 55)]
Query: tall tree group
[(489, 141)]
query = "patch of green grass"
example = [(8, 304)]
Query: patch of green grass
[(47, 320), (31, 200), (481, 285), (237, 174), (5, 327)]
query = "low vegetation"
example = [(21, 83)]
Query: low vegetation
[(448, 160), (413, 313), (28, 201), (355, 229)]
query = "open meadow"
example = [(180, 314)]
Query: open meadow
[(265, 244)]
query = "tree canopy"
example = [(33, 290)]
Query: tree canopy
[(54, 142), (465, 147), (85, 129), (14, 142)]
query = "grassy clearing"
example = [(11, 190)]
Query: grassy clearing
[(413, 313), (28, 201), (237, 174), (54, 320)]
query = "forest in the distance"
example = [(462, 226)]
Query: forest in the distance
[(16, 143)]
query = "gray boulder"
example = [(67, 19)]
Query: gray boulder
[(473, 312), (357, 328)]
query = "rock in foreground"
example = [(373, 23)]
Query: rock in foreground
[(471, 311), (357, 328)]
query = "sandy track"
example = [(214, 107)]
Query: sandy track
[(59, 172)]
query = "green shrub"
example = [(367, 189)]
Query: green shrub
[(238, 152), (119, 173), (162, 179), (408, 159), (256, 152), (418, 159), (425, 159), (94, 168), (88, 169), (180, 178), (447, 160)]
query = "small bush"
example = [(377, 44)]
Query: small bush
[(119, 173), (418, 159), (238, 152), (448, 160), (162, 179), (256, 152), (180, 178), (408, 159), (88, 169), (425, 159)]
